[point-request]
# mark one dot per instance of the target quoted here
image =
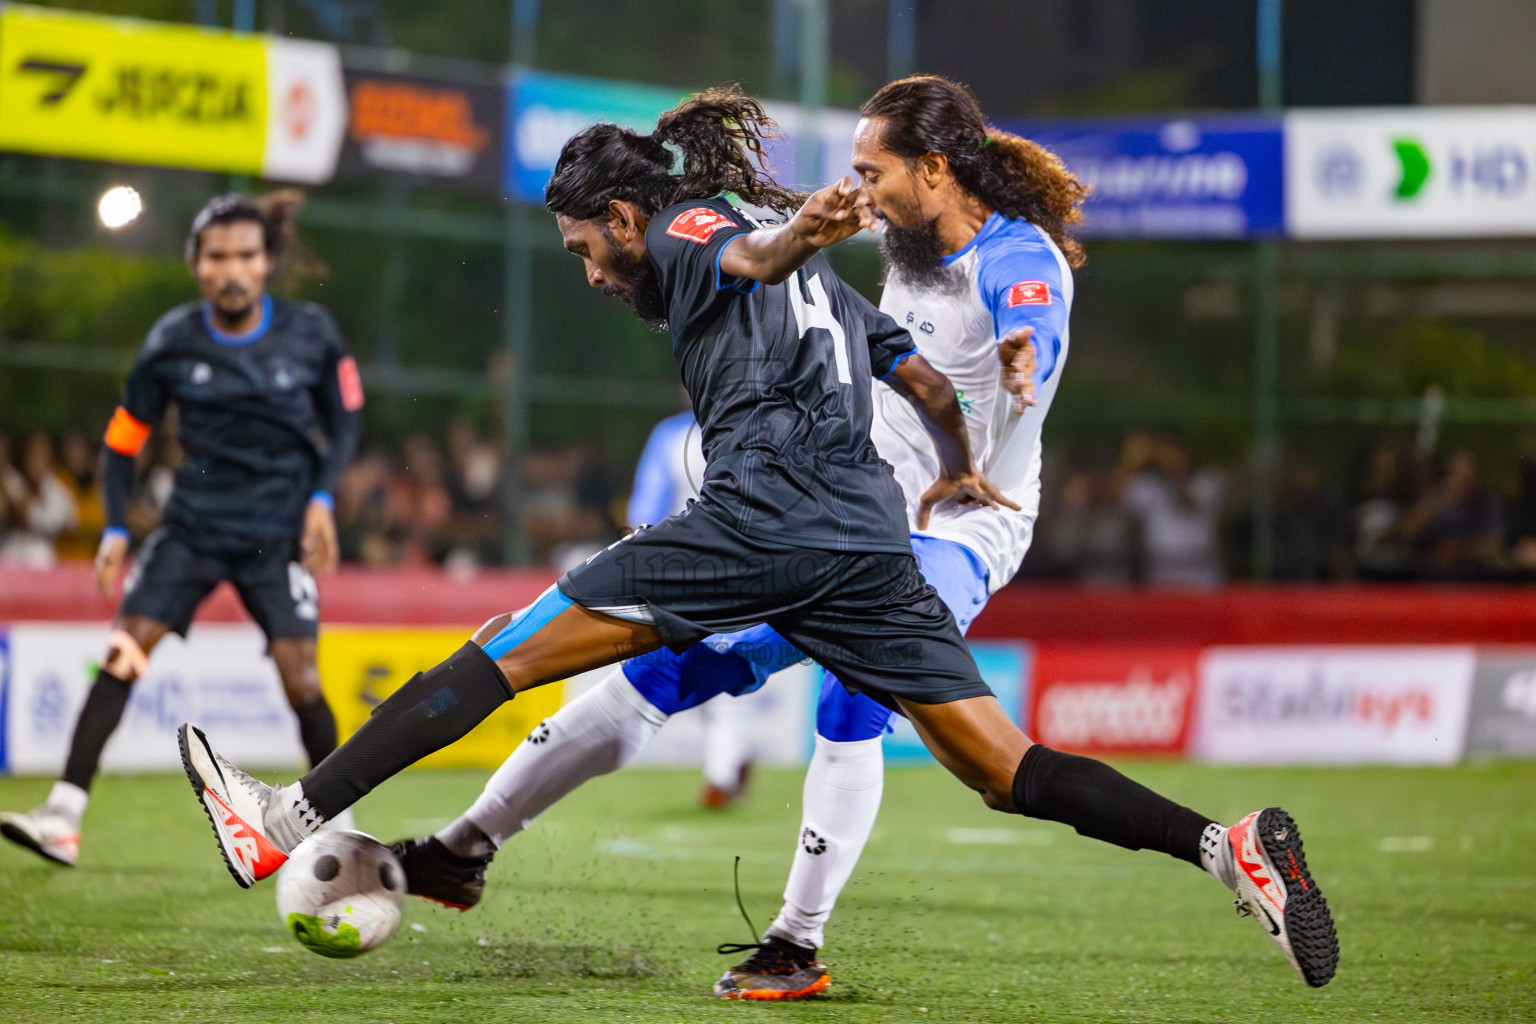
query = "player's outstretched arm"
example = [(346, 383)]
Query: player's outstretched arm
[(933, 396), (1016, 349), (770, 255), (339, 403), (143, 402)]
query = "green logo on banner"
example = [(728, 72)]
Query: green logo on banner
[(1415, 167)]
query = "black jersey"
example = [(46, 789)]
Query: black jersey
[(265, 419), (780, 381)]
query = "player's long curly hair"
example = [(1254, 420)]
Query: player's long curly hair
[(1018, 178), (719, 134)]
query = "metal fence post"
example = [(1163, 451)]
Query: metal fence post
[(1266, 326)]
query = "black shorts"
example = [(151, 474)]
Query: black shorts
[(178, 567), (869, 617)]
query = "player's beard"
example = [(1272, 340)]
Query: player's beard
[(232, 305), (635, 285), (916, 256)]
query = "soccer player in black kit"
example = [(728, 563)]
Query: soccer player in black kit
[(798, 524), (268, 404)]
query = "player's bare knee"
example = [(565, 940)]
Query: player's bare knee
[(126, 657), (484, 634), (998, 801), (303, 689), (298, 667)]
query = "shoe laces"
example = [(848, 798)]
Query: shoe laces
[(771, 956), (1242, 908), (243, 777)]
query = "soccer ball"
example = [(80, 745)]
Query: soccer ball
[(341, 893)]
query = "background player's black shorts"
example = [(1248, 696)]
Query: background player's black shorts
[(869, 617), (178, 567)]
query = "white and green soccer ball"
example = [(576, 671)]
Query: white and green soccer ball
[(341, 893)]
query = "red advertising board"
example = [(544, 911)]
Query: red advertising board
[(1112, 699)]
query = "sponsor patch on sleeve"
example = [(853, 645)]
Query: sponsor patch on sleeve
[(697, 224), (1029, 293), (350, 382)]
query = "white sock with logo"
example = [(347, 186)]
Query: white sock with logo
[(1216, 855), (594, 734), (841, 800)]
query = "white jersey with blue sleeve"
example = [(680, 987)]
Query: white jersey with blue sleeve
[(1010, 275), (670, 471)]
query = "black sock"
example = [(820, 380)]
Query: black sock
[(430, 711), (317, 730), (1102, 804), (98, 720)]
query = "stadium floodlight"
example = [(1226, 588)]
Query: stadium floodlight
[(119, 206)]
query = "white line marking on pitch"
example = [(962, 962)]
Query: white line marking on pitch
[(1407, 844), (997, 837)]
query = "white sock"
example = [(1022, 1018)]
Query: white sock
[(289, 818), (69, 800), (1216, 855), (841, 799), (597, 732), (464, 838), (727, 748)]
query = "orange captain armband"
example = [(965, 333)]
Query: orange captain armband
[(126, 435)]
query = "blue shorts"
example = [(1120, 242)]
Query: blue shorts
[(738, 663)]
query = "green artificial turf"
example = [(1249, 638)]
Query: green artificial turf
[(610, 909)]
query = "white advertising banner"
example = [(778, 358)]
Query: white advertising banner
[(306, 111), (1333, 705), (218, 679), (1425, 172)]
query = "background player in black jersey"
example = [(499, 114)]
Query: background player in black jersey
[(268, 407), (798, 524)]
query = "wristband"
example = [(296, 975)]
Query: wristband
[(323, 498)]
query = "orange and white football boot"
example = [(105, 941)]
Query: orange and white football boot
[(48, 831), (1269, 874), (253, 835)]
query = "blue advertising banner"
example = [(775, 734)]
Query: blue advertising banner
[(1188, 178), (1177, 178), (545, 110)]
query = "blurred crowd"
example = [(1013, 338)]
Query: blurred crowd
[(1154, 517), (426, 502), (441, 504)]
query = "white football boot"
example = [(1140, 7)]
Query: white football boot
[(48, 831), (255, 836), (1260, 859)]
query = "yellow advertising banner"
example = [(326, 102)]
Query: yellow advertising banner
[(360, 666), (133, 91)]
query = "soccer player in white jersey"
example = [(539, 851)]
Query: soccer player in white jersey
[(980, 272)]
